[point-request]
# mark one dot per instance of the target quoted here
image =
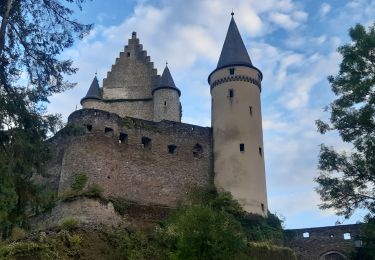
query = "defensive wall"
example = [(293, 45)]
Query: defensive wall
[(333, 242), (132, 159)]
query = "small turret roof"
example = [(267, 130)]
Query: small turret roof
[(234, 51), (94, 91), (166, 81)]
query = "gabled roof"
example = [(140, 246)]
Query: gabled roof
[(94, 91), (234, 51), (166, 81)]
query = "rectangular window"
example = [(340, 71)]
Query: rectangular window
[(260, 151), (231, 71), (251, 110), (242, 147), (230, 93)]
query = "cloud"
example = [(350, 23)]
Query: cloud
[(324, 9)]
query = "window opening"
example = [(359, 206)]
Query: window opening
[(171, 148), (242, 147), (347, 236), (122, 138), (231, 71), (128, 54), (306, 235), (146, 142), (251, 110), (89, 128), (108, 177), (260, 151), (108, 131), (197, 151), (165, 103), (231, 93), (262, 205)]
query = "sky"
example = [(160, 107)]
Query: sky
[(293, 43)]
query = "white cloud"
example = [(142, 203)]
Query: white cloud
[(324, 9)]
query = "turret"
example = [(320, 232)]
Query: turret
[(237, 125), (93, 96), (166, 97)]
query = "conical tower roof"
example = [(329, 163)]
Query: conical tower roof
[(94, 91), (234, 51), (166, 81)]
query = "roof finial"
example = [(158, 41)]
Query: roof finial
[(166, 63), (96, 73), (232, 13)]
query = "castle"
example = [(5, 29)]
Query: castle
[(135, 147)]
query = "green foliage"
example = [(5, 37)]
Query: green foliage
[(17, 234), (367, 252), (121, 206), (69, 224), (265, 251), (136, 246), (94, 191), (200, 232), (79, 182), (34, 34), (346, 180), (126, 122), (29, 250)]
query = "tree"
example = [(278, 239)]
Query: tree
[(347, 179), (33, 34)]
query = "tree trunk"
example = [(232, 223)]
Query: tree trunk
[(4, 22)]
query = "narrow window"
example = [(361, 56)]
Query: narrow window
[(165, 103), (171, 148), (260, 151), (108, 131), (197, 151), (242, 147), (128, 54), (262, 205), (108, 177), (347, 236), (231, 93), (251, 110), (122, 138), (306, 235), (231, 71), (89, 128), (146, 142)]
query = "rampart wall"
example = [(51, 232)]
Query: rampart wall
[(333, 242), (136, 160)]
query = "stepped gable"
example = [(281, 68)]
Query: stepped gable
[(132, 76)]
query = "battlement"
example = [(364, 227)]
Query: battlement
[(137, 160)]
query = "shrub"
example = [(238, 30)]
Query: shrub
[(69, 224), (17, 234), (79, 182), (94, 191), (27, 250), (266, 251)]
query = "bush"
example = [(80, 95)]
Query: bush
[(199, 232), (69, 224), (266, 251), (17, 234), (94, 191), (27, 250), (79, 182)]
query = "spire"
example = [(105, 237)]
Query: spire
[(166, 81), (234, 51), (94, 91)]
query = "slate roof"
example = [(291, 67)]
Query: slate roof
[(94, 91), (166, 81), (234, 51)]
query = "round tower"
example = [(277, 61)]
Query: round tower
[(237, 125), (93, 98), (166, 97)]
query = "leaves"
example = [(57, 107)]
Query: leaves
[(347, 180)]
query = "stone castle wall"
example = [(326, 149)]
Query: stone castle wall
[(324, 242), (152, 163), (166, 105)]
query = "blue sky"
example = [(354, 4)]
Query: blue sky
[(293, 43)]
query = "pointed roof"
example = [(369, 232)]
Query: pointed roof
[(94, 91), (166, 81), (234, 51)]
